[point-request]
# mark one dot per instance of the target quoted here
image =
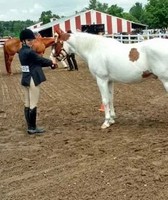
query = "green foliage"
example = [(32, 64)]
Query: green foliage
[(46, 16), (156, 13), (137, 11), (129, 17), (115, 10), (102, 7), (13, 28), (92, 5)]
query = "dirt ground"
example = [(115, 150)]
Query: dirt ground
[(75, 159)]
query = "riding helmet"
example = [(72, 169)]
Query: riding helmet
[(26, 34)]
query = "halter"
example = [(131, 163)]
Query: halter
[(59, 53)]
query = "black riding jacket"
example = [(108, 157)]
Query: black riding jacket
[(28, 57)]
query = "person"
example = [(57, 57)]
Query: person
[(32, 77), (71, 59)]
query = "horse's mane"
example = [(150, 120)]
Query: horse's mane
[(87, 40), (91, 41)]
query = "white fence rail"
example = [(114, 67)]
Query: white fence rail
[(2, 41), (136, 38), (121, 37)]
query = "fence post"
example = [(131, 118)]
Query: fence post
[(121, 38), (160, 35), (129, 38)]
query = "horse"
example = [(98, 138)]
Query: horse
[(111, 61), (12, 46), (60, 50)]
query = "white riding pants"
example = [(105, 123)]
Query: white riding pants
[(31, 95)]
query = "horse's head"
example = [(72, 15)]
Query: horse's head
[(64, 36), (60, 36), (56, 36), (58, 47)]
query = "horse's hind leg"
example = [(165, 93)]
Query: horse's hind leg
[(8, 61), (6, 58), (8, 64)]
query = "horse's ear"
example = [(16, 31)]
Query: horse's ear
[(59, 31), (64, 36)]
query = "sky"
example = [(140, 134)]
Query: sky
[(31, 9)]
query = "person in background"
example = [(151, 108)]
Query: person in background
[(71, 59), (32, 77)]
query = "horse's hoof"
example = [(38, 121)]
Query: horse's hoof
[(10, 74), (112, 121), (105, 125)]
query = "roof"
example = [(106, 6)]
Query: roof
[(51, 24), (58, 21)]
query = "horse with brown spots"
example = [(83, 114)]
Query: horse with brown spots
[(111, 61)]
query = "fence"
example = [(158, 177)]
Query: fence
[(121, 37), (136, 38), (2, 41)]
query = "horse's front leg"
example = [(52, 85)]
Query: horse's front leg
[(111, 98), (104, 90)]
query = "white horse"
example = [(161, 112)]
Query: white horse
[(110, 61)]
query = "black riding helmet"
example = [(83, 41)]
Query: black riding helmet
[(26, 34)]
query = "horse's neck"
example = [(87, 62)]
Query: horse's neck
[(47, 41), (83, 44)]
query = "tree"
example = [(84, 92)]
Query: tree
[(96, 5), (129, 17), (46, 16), (102, 7), (92, 4), (156, 15), (137, 11), (115, 10), (13, 28)]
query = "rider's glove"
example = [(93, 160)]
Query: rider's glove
[(54, 66)]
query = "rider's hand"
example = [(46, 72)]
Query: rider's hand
[(54, 66)]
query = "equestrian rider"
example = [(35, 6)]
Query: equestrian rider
[(32, 77)]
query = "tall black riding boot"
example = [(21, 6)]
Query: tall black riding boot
[(75, 64), (26, 114), (74, 61), (69, 63), (32, 119)]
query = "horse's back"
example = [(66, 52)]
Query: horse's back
[(38, 46), (159, 45), (12, 46)]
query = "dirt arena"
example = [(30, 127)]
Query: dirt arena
[(75, 159)]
